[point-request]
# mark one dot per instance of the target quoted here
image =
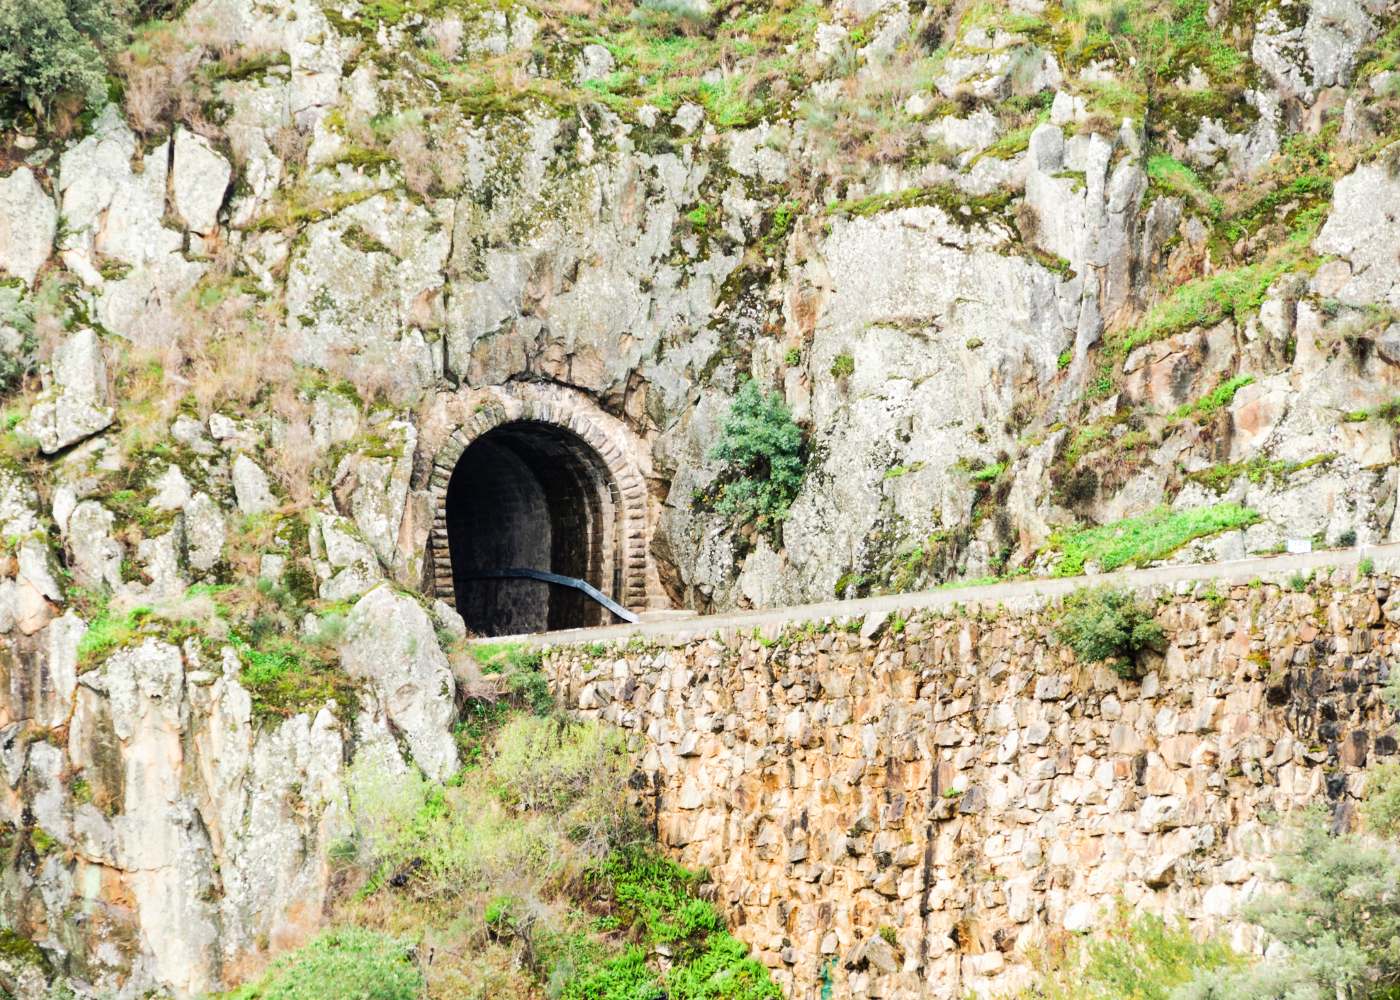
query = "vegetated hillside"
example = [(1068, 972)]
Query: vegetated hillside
[(1034, 287), (530, 874)]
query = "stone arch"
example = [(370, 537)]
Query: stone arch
[(544, 483)]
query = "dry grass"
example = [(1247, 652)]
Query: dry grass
[(866, 123), (171, 70)]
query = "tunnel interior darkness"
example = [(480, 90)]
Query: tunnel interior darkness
[(535, 496)]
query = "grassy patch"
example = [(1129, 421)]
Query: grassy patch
[(341, 964), (1232, 294), (1218, 398), (110, 631), (1257, 470), (285, 677), (1177, 178), (1140, 540)]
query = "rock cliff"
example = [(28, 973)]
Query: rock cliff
[(1045, 288)]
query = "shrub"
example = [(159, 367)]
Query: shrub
[(844, 366), (54, 49), (626, 977), (574, 770), (1381, 809), (761, 449), (1108, 625), (1142, 958), (346, 964), (522, 667), (723, 971)]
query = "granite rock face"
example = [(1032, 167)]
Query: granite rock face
[(251, 347), (76, 405), (28, 225)]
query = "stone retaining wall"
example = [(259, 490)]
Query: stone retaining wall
[(910, 808)]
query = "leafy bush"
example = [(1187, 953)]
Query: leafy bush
[(346, 964), (723, 971), (1109, 625), (573, 770), (657, 898), (522, 666), (761, 449), (53, 49), (1382, 806), (625, 977)]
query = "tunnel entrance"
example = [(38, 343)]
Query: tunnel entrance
[(535, 496)]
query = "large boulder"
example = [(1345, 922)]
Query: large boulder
[(390, 642), (1361, 230), (1321, 51), (372, 486), (365, 283), (96, 557), (28, 224), (200, 182), (252, 487), (75, 407), (346, 566)]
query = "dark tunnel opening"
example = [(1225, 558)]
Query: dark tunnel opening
[(533, 496)]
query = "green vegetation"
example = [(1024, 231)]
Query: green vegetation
[(1258, 469), (110, 631), (521, 665), (348, 963), (286, 676), (1108, 625), (1388, 411), (1338, 917), (1175, 177), (529, 875), (979, 208), (1217, 399), (843, 366), (1138, 958), (1141, 540), (55, 50), (760, 448), (664, 53), (1231, 294)]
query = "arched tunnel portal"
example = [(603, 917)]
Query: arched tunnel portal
[(537, 490)]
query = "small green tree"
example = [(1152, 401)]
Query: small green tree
[(50, 49), (1109, 625), (1338, 918), (761, 448)]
